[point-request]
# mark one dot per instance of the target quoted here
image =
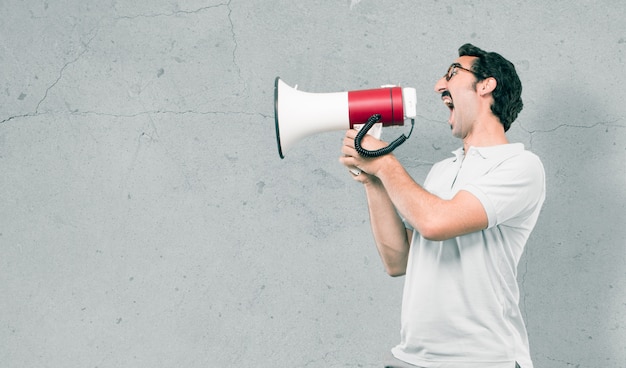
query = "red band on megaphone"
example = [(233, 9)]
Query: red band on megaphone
[(384, 101)]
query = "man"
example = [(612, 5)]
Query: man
[(459, 237)]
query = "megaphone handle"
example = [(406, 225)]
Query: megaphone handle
[(382, 151)]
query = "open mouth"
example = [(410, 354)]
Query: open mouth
[(447, 99)]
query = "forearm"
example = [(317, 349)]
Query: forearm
[(388, 229), (409, 198), (433, 217)]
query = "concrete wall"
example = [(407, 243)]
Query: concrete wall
[(146, 219)]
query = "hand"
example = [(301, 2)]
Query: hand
[(363, 169)]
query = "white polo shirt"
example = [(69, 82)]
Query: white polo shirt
[(460, 304)]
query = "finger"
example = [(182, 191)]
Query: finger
[(346, 161), (349, 140), (349, 151)]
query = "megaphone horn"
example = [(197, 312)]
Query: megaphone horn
[(298, 114)]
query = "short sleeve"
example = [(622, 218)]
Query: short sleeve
[(511, 190)]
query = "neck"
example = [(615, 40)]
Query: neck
[(486, 132)]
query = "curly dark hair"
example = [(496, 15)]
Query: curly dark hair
[(507, 96)]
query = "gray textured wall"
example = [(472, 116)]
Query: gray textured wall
[(147, 221)]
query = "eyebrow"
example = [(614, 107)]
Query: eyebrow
[(461, 66)]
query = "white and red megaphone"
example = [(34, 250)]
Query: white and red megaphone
[(299, 114)]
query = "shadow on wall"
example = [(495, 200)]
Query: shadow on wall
[(574, 282)]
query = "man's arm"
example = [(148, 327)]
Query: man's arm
[(391, 236), (434, 218)]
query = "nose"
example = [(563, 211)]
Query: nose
[(441, 85)]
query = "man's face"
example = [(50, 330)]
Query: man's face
[(458, 93)]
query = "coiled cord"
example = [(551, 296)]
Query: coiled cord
[(382, 151)]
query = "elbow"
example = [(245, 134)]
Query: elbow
[(434, 236), (431, 234), (434, 230), (396, 269), (427, 227), (395, 272), (395, 258)]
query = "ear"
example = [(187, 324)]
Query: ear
[(487, 86)]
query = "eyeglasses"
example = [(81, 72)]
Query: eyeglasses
[(453, 69)]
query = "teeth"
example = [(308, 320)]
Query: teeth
[(447, 99)]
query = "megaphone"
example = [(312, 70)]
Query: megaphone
[(299, 114)]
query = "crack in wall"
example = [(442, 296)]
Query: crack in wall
[(130, 17), (173, 13), (612, 123), (142, 113), (170, 112), (232, 31), (57, 80), (65, 66), (178, 12), (45, 95), (607, 123), (17, 117)]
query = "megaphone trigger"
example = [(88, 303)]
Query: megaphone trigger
[(356, 172)]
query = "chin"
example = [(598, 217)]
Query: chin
[(455, 133)]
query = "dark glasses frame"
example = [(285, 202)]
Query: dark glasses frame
[(453, 69)]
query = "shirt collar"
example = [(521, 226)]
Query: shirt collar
[(500, 150)]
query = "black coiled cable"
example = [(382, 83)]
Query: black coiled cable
[(382, 151)]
